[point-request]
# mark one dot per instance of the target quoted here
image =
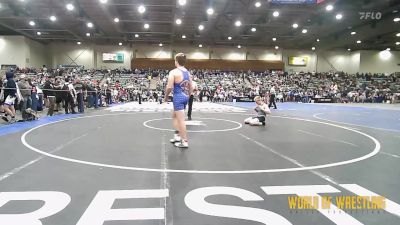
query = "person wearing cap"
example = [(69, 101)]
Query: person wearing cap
[(26, 101)]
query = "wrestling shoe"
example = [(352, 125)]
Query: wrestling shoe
[(182, 144), (5, 118), (12, 120), (176, 138)]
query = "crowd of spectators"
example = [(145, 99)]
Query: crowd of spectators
[(65, 89)]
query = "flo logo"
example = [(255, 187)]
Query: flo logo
[(370, 15)]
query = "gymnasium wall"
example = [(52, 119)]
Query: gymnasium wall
[(25, 52), (71, 54), (13, 50), (213, 64), (38, 54), (339, 60), (372, 61)]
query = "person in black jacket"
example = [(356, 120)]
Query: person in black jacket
[(3, 85), (10, 94)]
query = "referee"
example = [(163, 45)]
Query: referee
[(194, 88), (272, 98)]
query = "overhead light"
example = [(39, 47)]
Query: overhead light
[(38, 33), (397, 19), (229, 38), (182, 2), (146, 26), (348, 49), (32, 23), (87, 34), (70, 7), (353, 33), (201, 27), (273, 39), (304, 31), (120, 44), (253, 29), (329, 7), (257, 4), (238, 23), (78, 42), (210, 11), (53, 18), (178, 21), (295, 25), (116, 20), (239, 46), (183, 36), (358, 42), (136, 35), (397, 43), (90, 25), (339, 16), (200, 45), (141, 9), (160, 44), (385, 55), (313, 48), (276, 47), (103, 1), (317, 40), (398, 34), (275, 14)]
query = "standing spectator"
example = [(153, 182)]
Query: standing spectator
[(108, 96), (10, 94), (89, 90), (50, 95), (79, 95), (3, 85), (59, 94), (34, 95), (25, 89), (68, 96)]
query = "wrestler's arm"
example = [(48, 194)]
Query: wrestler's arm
[(170, 85), (265, 108)]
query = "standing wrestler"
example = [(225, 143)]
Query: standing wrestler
[(180, 82)]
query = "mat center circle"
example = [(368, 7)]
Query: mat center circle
[(199, 125)]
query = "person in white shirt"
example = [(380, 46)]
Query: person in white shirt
[(272, 98), (69, 95)]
